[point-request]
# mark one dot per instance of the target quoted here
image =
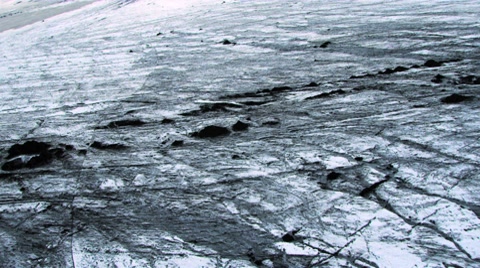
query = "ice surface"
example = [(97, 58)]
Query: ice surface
[(405, 188)]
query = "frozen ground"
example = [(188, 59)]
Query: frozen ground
[(348, 134)]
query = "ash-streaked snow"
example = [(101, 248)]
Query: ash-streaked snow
[(348, 145)]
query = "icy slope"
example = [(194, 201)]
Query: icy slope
[(242, 134)]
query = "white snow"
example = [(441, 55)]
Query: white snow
[(190, 261), (294, 249), (231, 207), (333, 162), (112, 184), (388, 255), (34, 207)]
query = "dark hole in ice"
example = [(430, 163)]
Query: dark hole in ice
[(177, 143), (325, 44), (280, 89), (438, 79), (359, 158), (361, 76), (469, 80), (42, 159), (211, 132), (271, 122), (387, 71), (167, 121), (288, 237), (254, 259), (112, 146), (396, 70), (228, 42), (13, 165), (254, 103), (455, 98), (28, 148), (333, 175), (326, 94), (214, 107), (400, 69), (312, 84), (69, 147), (57, 152), (125, 123), (240, 126), (432, 63), (360, 88)]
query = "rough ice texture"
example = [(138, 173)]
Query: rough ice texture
[(367, 162)]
